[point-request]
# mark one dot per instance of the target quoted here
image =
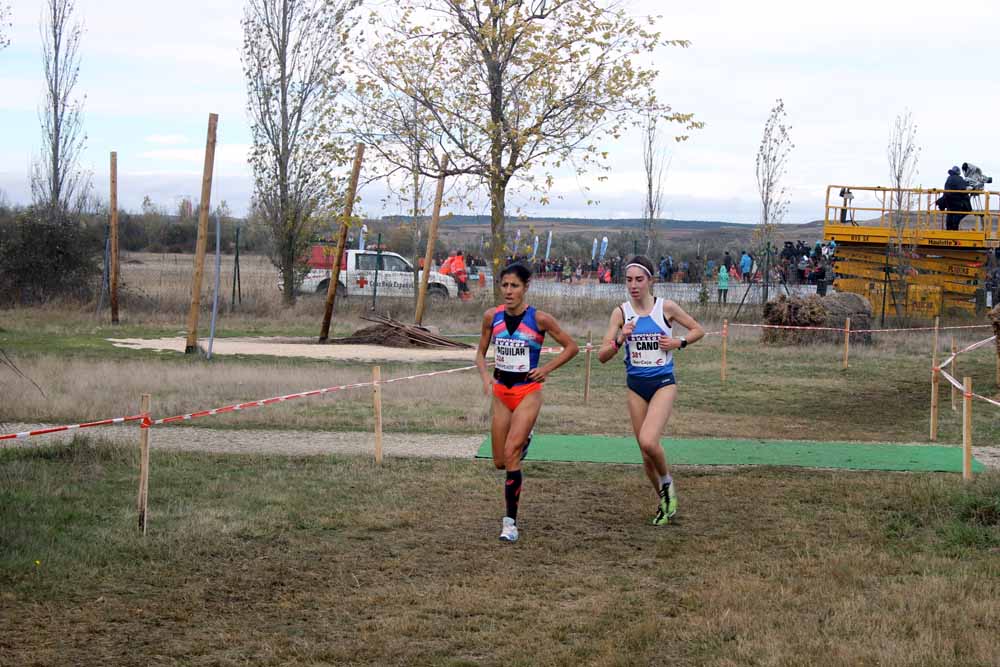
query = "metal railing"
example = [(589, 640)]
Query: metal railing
[(916, 208)]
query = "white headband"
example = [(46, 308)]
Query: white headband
[(628, 266)]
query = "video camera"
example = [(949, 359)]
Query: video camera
[(975, 176)]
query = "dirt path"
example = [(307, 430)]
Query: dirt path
[(302, 347), (290, 443), (311, 443)]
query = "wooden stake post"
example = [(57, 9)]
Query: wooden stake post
[(935, 384), (199, 256), (143, 501), (586, 372), (377, 398), (934, 355), (935, 391), (967, 429), (847, 341), (954, 374), (725, 347), (431, 240), (114, 238), (331, 290)]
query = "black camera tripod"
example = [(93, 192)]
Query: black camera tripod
[(765, 283)]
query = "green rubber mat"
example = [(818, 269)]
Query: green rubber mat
[(683, 451)]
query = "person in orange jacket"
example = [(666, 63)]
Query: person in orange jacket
[(461, 275)]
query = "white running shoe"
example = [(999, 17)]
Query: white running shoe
[(509, 532)]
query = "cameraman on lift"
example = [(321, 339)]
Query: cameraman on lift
[(956, 199)]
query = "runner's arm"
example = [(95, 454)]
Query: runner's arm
[(607, 351), (548, 324), (485, 337), (674, 313)]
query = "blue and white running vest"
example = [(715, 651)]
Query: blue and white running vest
[(643, 356)]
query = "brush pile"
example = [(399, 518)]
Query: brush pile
[(391, 333), (815, 311)]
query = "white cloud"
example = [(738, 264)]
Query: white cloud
[(166, 139), (225, 154), (151, 74)]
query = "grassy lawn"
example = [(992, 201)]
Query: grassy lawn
[(275, 560), (270, 561)]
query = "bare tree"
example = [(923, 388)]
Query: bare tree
[(654, 163), (772, 158), (292, 50), (509, 86), (57, 183), (903, 154)]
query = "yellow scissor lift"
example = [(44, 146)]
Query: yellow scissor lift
[(893, 243)]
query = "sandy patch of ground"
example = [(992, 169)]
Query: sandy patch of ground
[(301, 347)]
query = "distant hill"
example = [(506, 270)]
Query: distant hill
[(604, 223), (470, 223)]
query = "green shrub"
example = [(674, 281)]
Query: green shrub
[(45, 256)]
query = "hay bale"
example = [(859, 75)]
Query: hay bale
[(816, 311), (842, 305)]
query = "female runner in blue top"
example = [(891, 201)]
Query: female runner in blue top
[(516, 331), (644, 326)]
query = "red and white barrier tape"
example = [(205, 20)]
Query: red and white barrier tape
[(856, 331), (953, 381), (72, 427), (964, 326), (969, 348), (785, 326), (147, 422), (302, 394)]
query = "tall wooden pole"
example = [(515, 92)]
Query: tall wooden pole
[(143, 501), (114, 238), (967, 429), (199, 253), (432, 229), (377, 399), (331, 290)]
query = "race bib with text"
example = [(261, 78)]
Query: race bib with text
[(511, 356), (644, 351)]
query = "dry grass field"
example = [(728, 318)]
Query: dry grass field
[(328, 561), (278, 560)]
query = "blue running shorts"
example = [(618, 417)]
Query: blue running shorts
[(645, 387)]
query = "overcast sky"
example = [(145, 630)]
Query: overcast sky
[(152, 72)]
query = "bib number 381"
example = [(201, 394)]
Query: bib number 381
[(644, 351)]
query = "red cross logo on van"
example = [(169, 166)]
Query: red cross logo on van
[(362, 281)]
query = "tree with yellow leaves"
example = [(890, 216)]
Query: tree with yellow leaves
[(506, 89)]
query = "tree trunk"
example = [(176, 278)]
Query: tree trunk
[(288, 277), (498, 194), (498, 179)]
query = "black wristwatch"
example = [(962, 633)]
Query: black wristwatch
[(684, 342)]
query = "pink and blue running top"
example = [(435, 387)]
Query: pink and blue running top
[(643, 356), (517, 342)]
